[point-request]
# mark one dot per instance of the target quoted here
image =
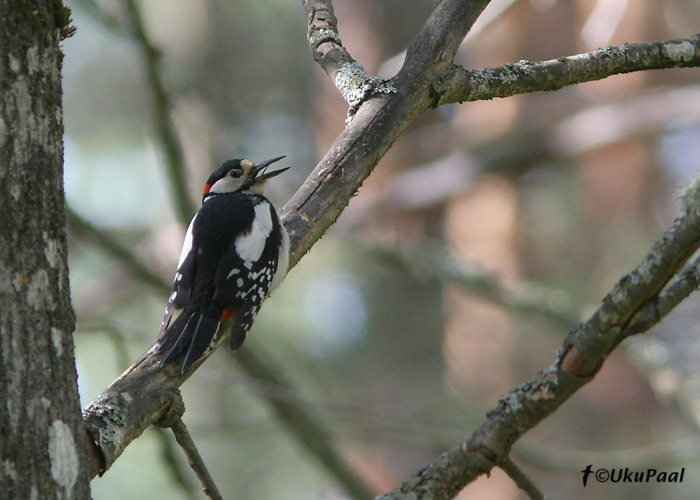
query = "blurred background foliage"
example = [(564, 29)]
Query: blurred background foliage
[(547, 196)]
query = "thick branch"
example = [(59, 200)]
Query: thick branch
[(292, 412), (140, 396), (634, 297), (460, 85), (353, 156)]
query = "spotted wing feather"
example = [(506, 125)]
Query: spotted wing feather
[(197, 289), (245, 281), (225, 268)]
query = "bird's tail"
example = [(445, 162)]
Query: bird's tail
[(191, 333)]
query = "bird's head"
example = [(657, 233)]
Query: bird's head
[(240, 176)]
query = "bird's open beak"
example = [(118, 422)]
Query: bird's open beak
[(260, 167)]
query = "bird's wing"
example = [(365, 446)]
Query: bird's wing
[(184, 278)]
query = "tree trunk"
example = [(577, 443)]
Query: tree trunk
[(42, 438)]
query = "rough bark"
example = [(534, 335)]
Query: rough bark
[(43, 452), (461, 85)]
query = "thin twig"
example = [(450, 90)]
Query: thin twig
[(167, 136), (185, 441), (520, 479), (168, 454), (323, 37)]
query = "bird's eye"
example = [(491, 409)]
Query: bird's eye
[(235, 173)]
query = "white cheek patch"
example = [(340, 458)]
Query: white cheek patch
[(187, 245), (250, 246), (226, 185)]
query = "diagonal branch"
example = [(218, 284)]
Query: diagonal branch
[(635, 303), (291, 411), (460, 85), (377, 124), (183, 438), (144, 392), (520, 479), (327, 49)]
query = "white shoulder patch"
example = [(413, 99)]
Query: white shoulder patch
[(250, 246), (187, 245)]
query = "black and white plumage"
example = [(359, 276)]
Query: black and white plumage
[(235, 253)]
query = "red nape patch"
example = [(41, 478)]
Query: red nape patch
[(207, 187), (228, 313)]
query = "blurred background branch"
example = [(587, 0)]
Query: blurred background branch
[(82, 228), (430, 261), (669, 455), (165, 129), (302, 422), (585, 349)]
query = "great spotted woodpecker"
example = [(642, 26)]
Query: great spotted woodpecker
[(235, 253)]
